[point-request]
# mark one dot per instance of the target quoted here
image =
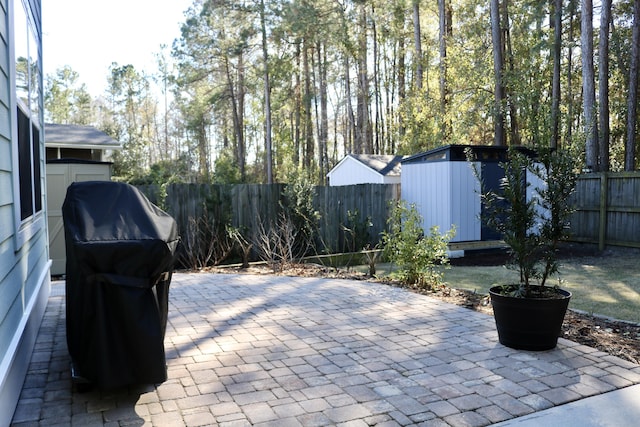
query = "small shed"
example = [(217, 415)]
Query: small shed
[(443, 186), (74, 153), (366, 169), (78, 142)]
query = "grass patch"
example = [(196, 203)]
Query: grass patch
[(603, 286), (608, 285)]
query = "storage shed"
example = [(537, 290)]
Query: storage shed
[(366, 169), (442, 185), (74, 153), (60, 174)]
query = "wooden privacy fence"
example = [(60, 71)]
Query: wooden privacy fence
[(246, 206), (368, 200), (607, 209)]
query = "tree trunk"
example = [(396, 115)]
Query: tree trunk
[(498, 66), (417, 39), (445, 31), (203, 152), (570, 103), (242, 146), (267, 97), (588, 86), (513, 110), (298, 108), (603, 82), (632, 98), (555, 83), (402, 94), (363, 136), (378, 127), (237, 116), (324, 118), (309, 155), (350, 143)]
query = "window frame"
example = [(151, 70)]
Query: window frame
[(27, 226)]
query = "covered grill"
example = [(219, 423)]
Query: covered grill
[(120, 251)]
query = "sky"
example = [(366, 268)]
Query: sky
[(88, 35)]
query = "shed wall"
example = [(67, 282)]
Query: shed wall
[(445, 194), (59, 177), (351, 171)]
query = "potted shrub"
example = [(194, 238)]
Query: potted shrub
[(531, 212)]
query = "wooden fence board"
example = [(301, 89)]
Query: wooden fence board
[(607, 209), (245, 206)]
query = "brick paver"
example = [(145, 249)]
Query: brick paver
[(270, 350)]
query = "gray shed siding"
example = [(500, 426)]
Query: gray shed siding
[(445, 194)]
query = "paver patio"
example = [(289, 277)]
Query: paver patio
[(290, 351)]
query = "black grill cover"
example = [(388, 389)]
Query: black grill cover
[(120, 252)]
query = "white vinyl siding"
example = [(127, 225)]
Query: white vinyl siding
[(24, 259), (350, 171)]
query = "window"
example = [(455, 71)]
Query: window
[(27, 76)]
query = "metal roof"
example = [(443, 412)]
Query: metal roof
[(455, 152), (76, 136)]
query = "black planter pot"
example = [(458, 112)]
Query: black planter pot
[(529, 323)]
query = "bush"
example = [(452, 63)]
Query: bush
[(300, 214), (356, 231), (534, 226), (420, 258)]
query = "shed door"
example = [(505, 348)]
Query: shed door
[(59, 177)]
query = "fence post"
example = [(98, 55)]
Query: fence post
[(602, 232)]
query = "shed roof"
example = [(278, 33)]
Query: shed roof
[(384, 164), (482, 153), (76, 136)]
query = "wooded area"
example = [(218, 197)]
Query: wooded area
[(256, 92)]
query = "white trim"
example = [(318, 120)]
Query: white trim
[(13, 368), (81, 145), (25, 229)]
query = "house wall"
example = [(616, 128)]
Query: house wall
[(351, 171), (24, 261)]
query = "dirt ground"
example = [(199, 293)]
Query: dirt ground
[(618, 338)]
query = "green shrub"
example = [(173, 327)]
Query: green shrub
[(356, 231), (301, 215), (420, 258)]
